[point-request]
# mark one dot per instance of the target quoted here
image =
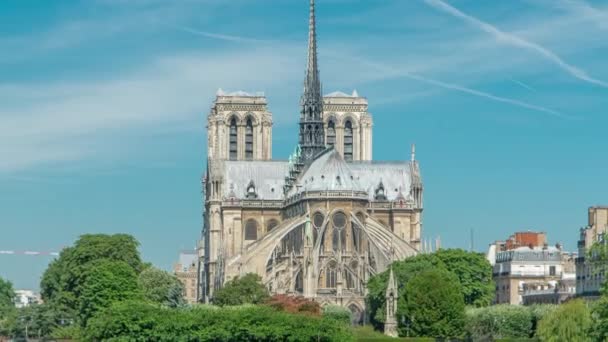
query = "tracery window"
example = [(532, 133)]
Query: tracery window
[(249, 140), (233, 140), (330, 277), (331, 133), (348, 141), (251, 230)]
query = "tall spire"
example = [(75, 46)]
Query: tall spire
[(312, 84), (312, 134)]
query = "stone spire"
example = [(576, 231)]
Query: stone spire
[(390, 322), (312, 135)]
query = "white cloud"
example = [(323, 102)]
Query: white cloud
[(67, 121), (511, 39)]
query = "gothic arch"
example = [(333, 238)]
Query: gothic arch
[(352, 118), (332, 116), (356, 313), (255, 120), (233, 115)]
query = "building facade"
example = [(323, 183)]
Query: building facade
[(524, 268), (25, 298), (589, 279), (319, 224), (548, 293), (186, 270), (518, 239)]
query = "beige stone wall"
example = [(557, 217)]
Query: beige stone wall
[(353, 109), (241, 108)]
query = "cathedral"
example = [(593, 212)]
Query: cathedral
[(317, 225)]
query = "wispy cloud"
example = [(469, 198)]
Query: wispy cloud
[(598, 16), (512, 39), (486, 95), (219, 36), (521, 84), (395, 72)]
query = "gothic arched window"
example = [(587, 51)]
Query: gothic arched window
[(331, 133), (251, 230), (249, 140), (348, 141), (233, 140), (330, 277)]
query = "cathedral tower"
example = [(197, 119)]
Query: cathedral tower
[(312, 135)]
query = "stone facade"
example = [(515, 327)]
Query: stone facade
[(522, 267), (186, 270), (317, 225), (588, 278)]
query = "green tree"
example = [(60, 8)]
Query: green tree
[(404, 271), (435, 304), (137, 321), (7, 308), (569, 322), (599, 311), (63, 281), (161, 287), (472, 270), (7, 294), (474, 273), (107, 282), (242, 290), (500, 321)]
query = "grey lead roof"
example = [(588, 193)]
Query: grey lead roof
[(395, 176), (269, 177)]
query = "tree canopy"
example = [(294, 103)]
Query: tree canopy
[(63, 280), (435, 304), (137, 321), (569, 322), (471, 271), (242, 290), (7, 294), (107, 281), (69, 284), (474, 273), (161, 287)]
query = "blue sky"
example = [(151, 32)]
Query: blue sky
[(103, 109)]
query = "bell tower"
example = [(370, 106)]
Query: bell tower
[(312, 135)]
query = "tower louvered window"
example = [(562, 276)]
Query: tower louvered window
[(331, 134), (348, 141), (233, 140), (249, 140)]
